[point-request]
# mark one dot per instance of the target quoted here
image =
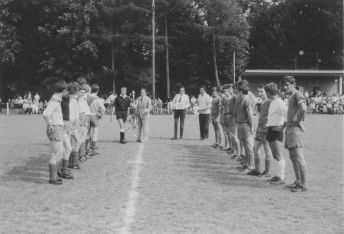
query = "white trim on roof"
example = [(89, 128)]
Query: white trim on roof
[(257, 72)]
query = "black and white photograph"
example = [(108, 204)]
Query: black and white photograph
[(171, 117)]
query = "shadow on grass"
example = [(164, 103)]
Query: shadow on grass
[(217, 166), (34, 170)]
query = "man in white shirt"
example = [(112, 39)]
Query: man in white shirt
[(204, 104), (52, 115), (180, 103), (276, 116)]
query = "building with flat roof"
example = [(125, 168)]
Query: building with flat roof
[(329, 81)]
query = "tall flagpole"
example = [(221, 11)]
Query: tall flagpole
[(153, 47)]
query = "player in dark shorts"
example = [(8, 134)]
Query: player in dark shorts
[(260, 139), (121, 107), (293, 135), (243, 114), (276, 113)]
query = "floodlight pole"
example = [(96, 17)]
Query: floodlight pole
[(153, 48), (234, 67)]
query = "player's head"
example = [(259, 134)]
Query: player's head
[(81, 80), (288, 83), (243, 88), (94, 88), (182, 90), (271, 89), (82, 91), (261, 92), (202, 89), (214, 91), (143, 91), (60, 87), (73, 88), (123, 90)]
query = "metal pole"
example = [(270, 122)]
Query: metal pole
[(167, 60), (153, 47), (234, 66)]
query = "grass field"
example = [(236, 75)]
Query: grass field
[(165, 186)]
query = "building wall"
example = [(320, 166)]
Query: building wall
[(328, 85)]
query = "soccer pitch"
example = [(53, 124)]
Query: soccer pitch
[(165, 186)]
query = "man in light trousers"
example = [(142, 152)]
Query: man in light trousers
[(143, 109)]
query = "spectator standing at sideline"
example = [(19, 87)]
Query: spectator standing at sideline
[(180, 103), (204, 103)]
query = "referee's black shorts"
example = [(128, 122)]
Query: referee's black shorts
[(122, 115), (274, 134)]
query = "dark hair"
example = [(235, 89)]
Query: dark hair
[(94, 88), (73, 87), (203, 87), (244, 88), (288, 79), (144, 89), (81, 80), (59, 86), (260, 87), (214, 89), (271, 88)]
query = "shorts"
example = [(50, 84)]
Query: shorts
[(85, 121), (231, 125), (244, 131), (122, 115), (94, 121), (69, 127), (55, 132), (261, 134), (274, 134), (293, 137)]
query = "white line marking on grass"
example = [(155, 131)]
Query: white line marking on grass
[(130, 209)]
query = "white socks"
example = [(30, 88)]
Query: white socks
[(281, 167)]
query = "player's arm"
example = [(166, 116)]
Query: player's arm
[(250, 116), (187, 103), (174, 101), (48, 111), (149, 105)]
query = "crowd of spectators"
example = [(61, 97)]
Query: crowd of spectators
[(28, 103), (319, 102)]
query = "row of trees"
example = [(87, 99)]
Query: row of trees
[(110, 41)]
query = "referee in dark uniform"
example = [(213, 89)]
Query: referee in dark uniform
[(122, 105)]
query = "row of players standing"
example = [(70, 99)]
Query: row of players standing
[(230, 110), (72, 116)]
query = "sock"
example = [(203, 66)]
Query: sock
[(281, 167)]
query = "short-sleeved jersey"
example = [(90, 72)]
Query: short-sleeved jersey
[(215, 105), (296, 97), (231, 104), (264, 112), (122, 104), (225, 103), (242, 105)]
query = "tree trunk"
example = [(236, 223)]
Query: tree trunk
[(214, 59), (113, 68), (153, 48), (167, 61)]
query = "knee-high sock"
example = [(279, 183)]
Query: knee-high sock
[(281, 168)]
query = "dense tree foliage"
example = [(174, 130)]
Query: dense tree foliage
[(280, 29), (109, 41)]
